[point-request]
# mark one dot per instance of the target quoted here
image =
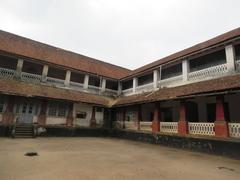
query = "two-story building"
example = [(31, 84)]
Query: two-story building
[(194, 91)]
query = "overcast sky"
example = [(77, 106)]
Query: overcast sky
[(129, 33)]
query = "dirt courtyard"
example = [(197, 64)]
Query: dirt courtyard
[(103, 158)]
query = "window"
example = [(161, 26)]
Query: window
[(52, 109), (1, 106), (99, 109), (62, 110), (127, 84), (145, 79), (81, 115), (171, 71)]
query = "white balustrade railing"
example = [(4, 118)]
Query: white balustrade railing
[(234, 129), (131, 125), (111, 92), (237, 64), (127, 92), (208, 73), (76, 86), (169, 127), (171, 82), (201, 128), (55, 81), (146, 126), (7, 73), (145, 88), (33, 78)]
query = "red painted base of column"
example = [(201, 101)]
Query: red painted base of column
[(69, 121), (93, 123), (221, 129), (155, 126), (42, 120), (8, 118), (182, 127)]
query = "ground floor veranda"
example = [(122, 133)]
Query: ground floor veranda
[(212, 115)]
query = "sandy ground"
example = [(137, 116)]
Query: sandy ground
[(99, 158)]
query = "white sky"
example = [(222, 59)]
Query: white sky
[(129, 33)]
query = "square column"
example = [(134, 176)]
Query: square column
[(135, 83), (45, 73), (67, 78), (86, 80), (156, 118), (42, 116), (139, 117), (19, 68), (70, 115), (123, 117), (103, 85), (8, 116), (119, 88), (155, 79), (230, 57), (182, 123), (93, 122), (221, 126), (185, 69)]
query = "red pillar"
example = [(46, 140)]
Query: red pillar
[(70, 115), (42, 116), (182, 123), (93, 122), (221, 126), (156, 118), (139, 116), (8, 115)]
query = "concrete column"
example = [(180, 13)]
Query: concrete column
[(135, 83), (103, 85), (182, 123), (119, 88), (43, 114), (45, 73), (86, 80), (230, 57), (139, 117), (19, 68), (123, 117), (185, 69), (67, 78), (155, 79), (8, 116), (70, 115), (93, 121), (221, 126), (156, 118)]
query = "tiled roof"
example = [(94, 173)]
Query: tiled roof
[(198, 47), (21, 46), (210, 86), (13, 87)]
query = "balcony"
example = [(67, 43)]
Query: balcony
[(171, 82), (144, 88)]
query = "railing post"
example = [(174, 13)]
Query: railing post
[(185, 69), (86, 80), (182, 123), (221, 126), (67, 78), (156, 118), (155, 79), (45, 73), (19, 68), (230, 57), (135, 83)]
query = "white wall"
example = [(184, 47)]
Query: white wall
[(81, 107), (56, 121)]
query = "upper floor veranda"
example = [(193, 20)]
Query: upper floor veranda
[(222, 59)]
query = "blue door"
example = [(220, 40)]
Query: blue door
[(27, 113)]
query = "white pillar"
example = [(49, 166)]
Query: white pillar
[(185, 69), (135, 83), (67, 78), (103, 85), (86, 80), (45, 72), (119, 88), (160, 73), (230, 57), (19, 68), (155, 79)]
